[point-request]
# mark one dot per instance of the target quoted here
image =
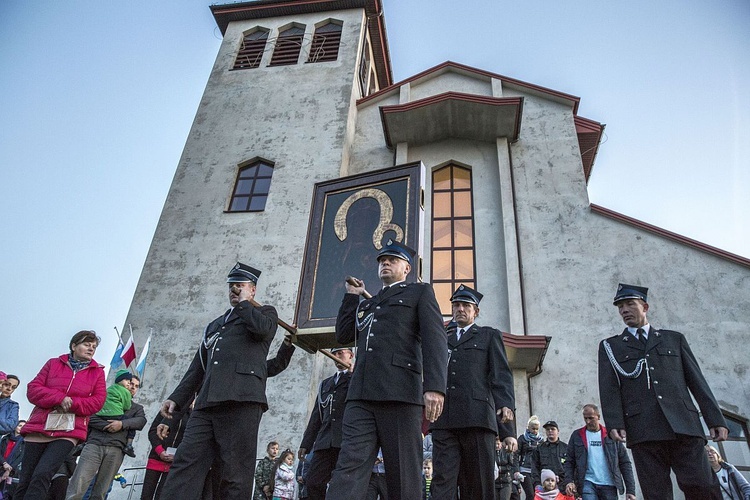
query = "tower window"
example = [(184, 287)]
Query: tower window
[(252, 187), (325, 43), (251, 50), (453, 260), (288, 45)]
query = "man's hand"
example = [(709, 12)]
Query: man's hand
[(718, 433), (618, 435), (301, 453), (506, 415), (166, 457), (113, 426), (162, 431), (167, 408), (433, 405), (570, 489), (510, 444), (65, 404), (359, 289)]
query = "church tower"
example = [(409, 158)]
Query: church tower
[(277, 116)]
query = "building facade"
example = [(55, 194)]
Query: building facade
[(302, 93)]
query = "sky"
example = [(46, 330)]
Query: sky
[(97, 98)]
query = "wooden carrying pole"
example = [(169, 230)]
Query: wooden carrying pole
[(293, 330)]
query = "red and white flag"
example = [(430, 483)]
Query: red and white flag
[(128, 353)]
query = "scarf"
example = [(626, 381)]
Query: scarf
[(77, 365), (532, 438), (548, 495)]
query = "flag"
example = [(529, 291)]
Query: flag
[(116, 359), (142, 360), (128, 352)]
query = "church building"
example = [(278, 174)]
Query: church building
[(305, 155)]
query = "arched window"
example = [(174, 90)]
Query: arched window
[(251, 50), (288, 45), (453, 259), (325, 43), (251, 187)]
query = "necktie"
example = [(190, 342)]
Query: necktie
[(336, 378), (459, 333), (641, 335)]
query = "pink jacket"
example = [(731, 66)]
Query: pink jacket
[(55, 380)]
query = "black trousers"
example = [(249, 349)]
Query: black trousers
[(319, 473), (463, 458), (686, 456), (40, 462), (369, 425), (153, 482), (377, 489), (228, 432)]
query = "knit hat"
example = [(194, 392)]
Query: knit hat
[(123, 375), (3, 376), (548, 474)]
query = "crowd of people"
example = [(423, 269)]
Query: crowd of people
[(427, 410)]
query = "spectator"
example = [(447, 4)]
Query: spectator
[(67, 390), (427, 447), (551, 454), (104, 451), (548, 489), (377, 489), (283, 477), (506, 463), (527, 444), (426, 478), (165, 435), (118, 402), (263, 472), (733, 484), (597, 466), (303, 468), (11, 451), (8, 407)]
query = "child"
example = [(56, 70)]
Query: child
[(117, 403), (283, 486), (426, 478), (548, 490)]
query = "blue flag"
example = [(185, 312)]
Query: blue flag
[(116, 359)]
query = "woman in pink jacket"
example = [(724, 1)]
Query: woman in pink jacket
[(65, 393)]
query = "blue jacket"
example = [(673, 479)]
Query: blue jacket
[(8, 415), (617, 459)]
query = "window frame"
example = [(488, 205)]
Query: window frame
[(257, 50), (320, 42), (251, 194), (284, 45)]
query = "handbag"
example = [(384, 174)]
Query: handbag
[(59, 421)]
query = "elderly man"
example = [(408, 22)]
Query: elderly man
[(646, 379), (479, 396), (104, 450), (597, 467), (229, 375), (401, 369), (323, 433)]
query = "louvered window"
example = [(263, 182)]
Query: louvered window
[(325, 44), (252, 187), (251, 50), (288, 45)]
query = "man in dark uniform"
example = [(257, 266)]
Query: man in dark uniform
[(401, 367), (550, 454), (323, 432), (646, 378), (479, 396), (229, 374)]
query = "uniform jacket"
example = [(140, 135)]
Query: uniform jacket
[(324, 427), (403, 353), (550, 456), (479, 382), (615, 453), (230, 364), (665, 408), (56, 380)]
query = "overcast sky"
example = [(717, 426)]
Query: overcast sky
[(97, 98)]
